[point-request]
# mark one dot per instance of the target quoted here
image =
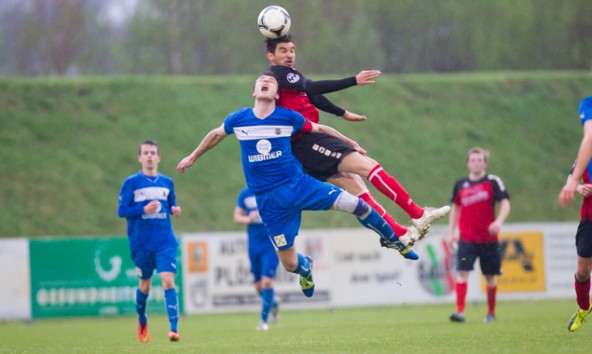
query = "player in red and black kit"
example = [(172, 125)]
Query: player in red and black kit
[(329, 159), (582, 169), (474, 200)]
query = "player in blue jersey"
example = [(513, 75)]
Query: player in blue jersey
[(582, 170), (264, 260), (147, 200), (276, 178)]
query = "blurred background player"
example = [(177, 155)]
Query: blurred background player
[(328, 158), (147, 200), (582, 169), (473, 211), (274, 175), (264, 261)]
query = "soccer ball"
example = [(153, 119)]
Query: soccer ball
[(274, 22)]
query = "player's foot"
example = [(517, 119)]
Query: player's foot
[(457, 317), (262, 326), (429, 215), (405, 251), (489, 318), (275, 311), (575, 322), (411, 236), (307, 284), (174, 336), (143, 334)]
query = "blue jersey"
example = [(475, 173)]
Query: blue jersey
[(266, 153), (150, 232)]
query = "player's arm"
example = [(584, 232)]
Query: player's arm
[(566, 196), (213, 138), (240, 216), (126, 207), (325, 105), (453, 220), (502, 215), (364, 77)]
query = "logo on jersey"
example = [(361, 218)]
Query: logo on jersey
[(280, 240), (293, 78), (263, 146)]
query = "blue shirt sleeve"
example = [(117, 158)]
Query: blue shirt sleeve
[(126, 208)]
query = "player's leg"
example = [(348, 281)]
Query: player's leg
[(371, 220), (582, 275), (145, 264), (166, 266), (465, 257), (390, 187), (490, 260), (300, 264), (355, 185), (267, 296)]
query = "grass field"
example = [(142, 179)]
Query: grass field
[(522, 327)]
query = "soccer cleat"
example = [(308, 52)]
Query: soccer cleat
[(262, 326), (489, 318), (405, 251), (575, 322), (429, 215), (411, 236), (174, 336), (457, 317), (307, 284), (275, 311), (143, 334)]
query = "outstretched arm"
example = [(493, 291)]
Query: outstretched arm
[(364, 77), (566, 196), (212, 139)]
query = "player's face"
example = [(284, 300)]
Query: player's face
[(284, 55), (149, 157), (266, 87), (476, 163)]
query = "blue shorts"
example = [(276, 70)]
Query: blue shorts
[(163, 261), (264, 262), (281, 208)]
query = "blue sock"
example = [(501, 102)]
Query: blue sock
[(141, 306), (172, 307), (375, 222), (267, 302), (303, 267)]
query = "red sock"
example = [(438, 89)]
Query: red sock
[(491, 292), (398, 229), (389, 186), (461, 295), (583, 293)]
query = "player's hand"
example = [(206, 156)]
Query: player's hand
[(366, 77), (353, 117), (451, 241), (494, 228), (566, 196), (176, 211), (152, 207), (185, 164), (584, 189)]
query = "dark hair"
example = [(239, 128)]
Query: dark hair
[(271, 43), (149, 142)]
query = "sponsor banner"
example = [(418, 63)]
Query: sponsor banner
[(217, 276), (15, 279), (523, 262), (88, 277)]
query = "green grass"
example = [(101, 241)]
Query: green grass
[(522, 327), (67, 144)]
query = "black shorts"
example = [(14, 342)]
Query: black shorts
[(490, 257), (320, 154), (584, 239)]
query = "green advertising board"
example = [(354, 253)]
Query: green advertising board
[(89, 277)]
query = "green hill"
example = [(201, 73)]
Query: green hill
[(67, 144)]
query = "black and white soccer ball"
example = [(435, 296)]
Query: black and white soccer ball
[(274, 22)]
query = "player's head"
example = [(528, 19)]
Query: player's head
[(281, 51), (477, 159), (266, 87), (149, 155)]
